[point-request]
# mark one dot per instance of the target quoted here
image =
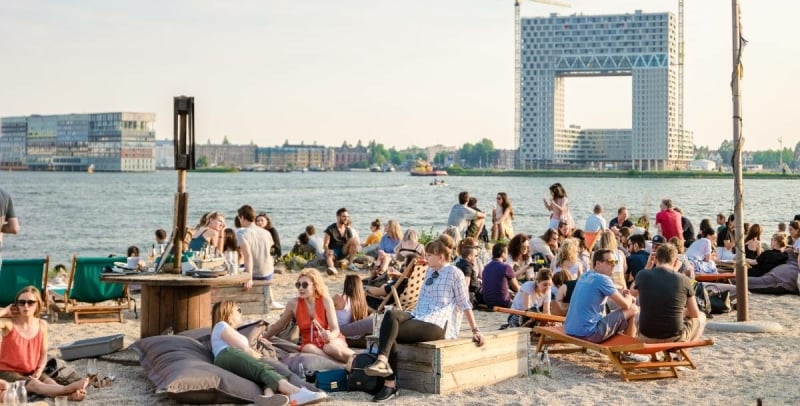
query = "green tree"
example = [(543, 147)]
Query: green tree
[(440, 158), (225, 140), (202, 162), (726, 151)]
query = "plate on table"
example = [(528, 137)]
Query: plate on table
[(206, 273), (122, 265)]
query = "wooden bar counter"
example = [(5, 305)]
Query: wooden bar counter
[(173, 300)]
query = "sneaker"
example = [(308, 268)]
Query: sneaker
[(353, 267), (378, 368), (386, 393), (307, 397), (277, 306), (631, 357), (332, 271), (274, 400)]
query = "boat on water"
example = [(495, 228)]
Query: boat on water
[(90, 169), (438, 182), (424, 168)]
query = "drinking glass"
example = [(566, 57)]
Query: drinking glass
[(61, 401), (22, 393), (91, 366), (111, 370)]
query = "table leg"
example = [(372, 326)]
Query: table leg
[(180, 308)]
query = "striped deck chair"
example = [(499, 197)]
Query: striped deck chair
[(16, 274), (87, 295), (413, 275)]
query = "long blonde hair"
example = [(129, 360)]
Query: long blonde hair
[(567, 252), (393, 230), (607, 240), (222, 311), (320, 290)]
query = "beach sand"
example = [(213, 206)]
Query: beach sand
[(740, 368)]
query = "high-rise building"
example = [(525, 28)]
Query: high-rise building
[(640, 45), (113, 142)]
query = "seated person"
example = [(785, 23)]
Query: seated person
[(134, 259), (770, 258), (519, 257), (387, 246), (702, 254), (208, 232), (669, 311), (467, 264), (303, 248), (566, 286), (546, 244), (340, 241), (533, 296), (232, 353), (24, 346), (375, 294), (585, 318), (779, 280), (637, 259), (352, 313), (498, 279), (375, 234)]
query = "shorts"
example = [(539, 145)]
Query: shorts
[(338, 253), (11, 376), (608, 327), (264, 277), (689, 328)]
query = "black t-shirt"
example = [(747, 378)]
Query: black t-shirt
[(615, 222), (766, 261), (662, 298), (337, 240), (469, 272)]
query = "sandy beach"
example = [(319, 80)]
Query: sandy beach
[(737, 370)]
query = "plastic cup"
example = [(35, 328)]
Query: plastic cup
[(61, 401)]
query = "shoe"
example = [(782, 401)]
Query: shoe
[(306, 397), (631, 357), (378, 368), (353, 267), (386, 393), (332, 271), (277, 306), (274, 400)]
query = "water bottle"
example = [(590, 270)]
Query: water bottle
[(545, 363), (22, 393), (301, 371), (10, 397), (537, 364)]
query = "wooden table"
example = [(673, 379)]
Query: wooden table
[(175, 301)]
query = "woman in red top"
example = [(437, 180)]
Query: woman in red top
[(23, 353), (315, 314)]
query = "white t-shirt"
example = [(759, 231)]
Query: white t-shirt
[(218, 344), (528, 289), (595, 222), (699, 249)]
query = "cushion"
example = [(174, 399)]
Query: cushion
[(183, 368)]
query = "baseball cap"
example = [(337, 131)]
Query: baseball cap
[(658, 239)]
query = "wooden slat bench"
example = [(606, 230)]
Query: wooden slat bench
[(620, 343), (256, 300), (446, 366)]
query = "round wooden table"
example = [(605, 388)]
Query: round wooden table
[(173, 300)]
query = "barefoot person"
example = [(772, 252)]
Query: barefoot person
[(23, 352), (232, 352), (443, 293)]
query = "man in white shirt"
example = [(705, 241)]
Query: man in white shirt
[(596, 222)]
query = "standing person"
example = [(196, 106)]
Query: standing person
[(255, 243), (8, 219), (441, 296), (502, 217), (669, 311), (263, 221), (232, 353), (585, 317), (340, 242), (460, 215), (558, 206), (23, 353), (498, 279), (595, 221), (668, 221)]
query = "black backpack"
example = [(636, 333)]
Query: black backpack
[(703, 301), (357, 380)]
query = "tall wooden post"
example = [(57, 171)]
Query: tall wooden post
[(183, 128), (738, 187)]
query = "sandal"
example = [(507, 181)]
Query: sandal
[(378, 368)]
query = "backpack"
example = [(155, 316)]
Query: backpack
[(357, 380), (703, 301)]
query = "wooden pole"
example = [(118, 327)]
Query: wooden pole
[(738, 187), (181, 212)]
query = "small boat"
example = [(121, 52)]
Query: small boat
[(438, 182), (90, 169)]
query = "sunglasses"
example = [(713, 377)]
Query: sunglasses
[(299, 285), (430, 280), (611, 261), (22, 303)]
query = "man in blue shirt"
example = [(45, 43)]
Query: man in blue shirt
[(637, 260), (585, 318)]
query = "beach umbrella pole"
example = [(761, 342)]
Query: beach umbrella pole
[(736, 163)]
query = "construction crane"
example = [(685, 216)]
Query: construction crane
[(517, 41)]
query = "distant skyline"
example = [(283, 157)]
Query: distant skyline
[(403, 73)]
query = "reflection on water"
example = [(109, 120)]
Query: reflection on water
[(99, 214)]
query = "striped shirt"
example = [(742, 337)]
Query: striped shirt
[(439, 299)]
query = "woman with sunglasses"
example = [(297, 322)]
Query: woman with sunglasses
[(232, 352), (315, 314), (442, 295), (23, 352)]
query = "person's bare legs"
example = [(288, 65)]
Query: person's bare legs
[(350, 249), (76, 390), (630, 315), (338, 350), (313, 349)]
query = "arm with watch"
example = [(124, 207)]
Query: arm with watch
[(477, 337)]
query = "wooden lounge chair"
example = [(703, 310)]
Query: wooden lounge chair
[(615, 346), (86, 294), (16, 274), (714, 277), (415, 274), (543, 317)]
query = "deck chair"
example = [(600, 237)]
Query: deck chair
[(715, 277), (615, 346), (16, 274), (414, 273), (86, 294), (534, 319), (590, 237)]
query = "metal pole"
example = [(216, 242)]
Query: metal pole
[(738, 187)]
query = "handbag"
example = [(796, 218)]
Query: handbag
[(334, 380), (720, 302)]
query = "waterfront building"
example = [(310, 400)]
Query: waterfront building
[(226, 155), (346, 156), (110, 142), (290, 157), (640, 45), (165, 154)]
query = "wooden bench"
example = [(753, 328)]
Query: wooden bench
[(714, 277), (256, 300), (620, 343), (446, 366)]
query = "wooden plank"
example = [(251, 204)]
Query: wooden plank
[(477, 376)]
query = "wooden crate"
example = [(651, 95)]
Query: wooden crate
[(447, 366), (257, 300)]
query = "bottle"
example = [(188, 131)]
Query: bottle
[(22, 393), (537, 364), (10, 397), (545, 363), (301, 371), (151, 259)]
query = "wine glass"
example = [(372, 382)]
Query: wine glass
[(91, 366)]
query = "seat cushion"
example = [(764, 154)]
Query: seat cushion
[(183, 368)]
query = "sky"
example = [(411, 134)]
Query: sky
[(411, 72)]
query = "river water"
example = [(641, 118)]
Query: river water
[(62, 214)]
